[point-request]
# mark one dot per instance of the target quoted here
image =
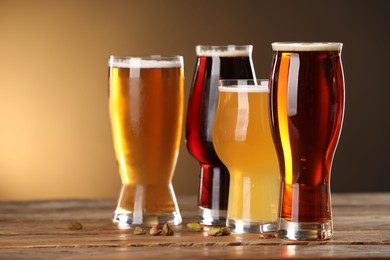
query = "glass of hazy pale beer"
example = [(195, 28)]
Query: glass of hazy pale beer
[(146, 100), (307, 109), (242, 139), (213, 63)]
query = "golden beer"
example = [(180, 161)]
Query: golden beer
[(242, 139), (146, 99)]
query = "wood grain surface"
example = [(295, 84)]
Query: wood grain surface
[(39, 230)]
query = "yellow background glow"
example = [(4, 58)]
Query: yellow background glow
[(55, 136)]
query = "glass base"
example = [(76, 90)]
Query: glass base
[(129, 220), (147, 205), (304, 231), (241, 226), (211, 217)]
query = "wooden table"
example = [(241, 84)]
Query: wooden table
[(39, 229)]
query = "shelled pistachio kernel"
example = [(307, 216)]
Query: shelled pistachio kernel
[(75, 226), (196, 227), (214, 231), (139, 231), (219, 231)]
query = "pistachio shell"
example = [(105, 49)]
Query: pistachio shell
[(167, 230), (139, 231), (155, 230)]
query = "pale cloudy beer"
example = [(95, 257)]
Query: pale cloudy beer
[(242, 139), (146, 99), (307, 108)]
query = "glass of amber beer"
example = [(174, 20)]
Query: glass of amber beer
[(146, 100), (213, 63), (242, 139), (307, 108)]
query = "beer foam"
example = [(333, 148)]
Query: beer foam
[(145, 62), (241, 89), (307, 46), (224, 51)]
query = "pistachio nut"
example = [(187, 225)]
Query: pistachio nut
[(139, 231), (196, 227), (167, 230)]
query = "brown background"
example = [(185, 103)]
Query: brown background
[(55, 140)]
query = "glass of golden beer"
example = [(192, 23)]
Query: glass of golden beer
[(146, 99), (242, 139), (307, 109)]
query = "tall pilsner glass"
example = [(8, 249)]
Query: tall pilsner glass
[(307, 108), (213, 63), (146, 100)]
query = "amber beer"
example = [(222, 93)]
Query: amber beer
[(307, 108), (242, 139), (146, 112)]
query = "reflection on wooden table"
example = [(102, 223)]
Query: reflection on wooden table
[(39, 229)]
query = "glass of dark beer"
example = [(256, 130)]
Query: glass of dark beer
[(213, 63), (146, 102), (307, 109)]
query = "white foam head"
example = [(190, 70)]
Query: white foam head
[(245, 89), (307, 46), (146, 62), (243, 85), (224, 51)]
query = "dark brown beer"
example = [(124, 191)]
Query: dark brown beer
[(213, 63), (307, 107)]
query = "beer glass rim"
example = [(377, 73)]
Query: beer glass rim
[(307, 46), (243, 85), (223, 50), (152, 61)]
